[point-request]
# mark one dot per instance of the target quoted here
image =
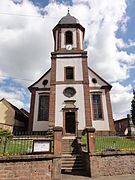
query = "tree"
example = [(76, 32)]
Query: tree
[(133, 108)]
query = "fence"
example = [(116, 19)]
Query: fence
[(22, 143), (114, 143)]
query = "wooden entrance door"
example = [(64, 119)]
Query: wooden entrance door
[(70, 122)]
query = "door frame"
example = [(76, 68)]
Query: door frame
[(64, 121)]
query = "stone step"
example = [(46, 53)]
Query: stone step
[(69, 152), (72, 159), (69, 149), (72, 162), (69, 141), (65, 153), (66, 160), (72, 165), (72, 168), (71, 155), (69, 146)]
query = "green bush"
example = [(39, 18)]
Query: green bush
[(4, 134)]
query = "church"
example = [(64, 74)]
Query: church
[(70, 94)]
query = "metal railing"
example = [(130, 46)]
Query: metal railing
[(114, 143), (22, 143)]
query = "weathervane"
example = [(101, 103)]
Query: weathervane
[(68, 10)]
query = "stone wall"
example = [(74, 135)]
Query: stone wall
[(86, 162), (113, 163), (30, 167)]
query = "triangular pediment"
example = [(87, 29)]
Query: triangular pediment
[(40, 82), (101, 83)]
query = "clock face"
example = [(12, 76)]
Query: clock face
[(68, 46), (69, 92)]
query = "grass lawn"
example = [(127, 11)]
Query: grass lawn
[(107, 142)]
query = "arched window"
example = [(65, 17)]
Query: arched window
[(43, 112), (97, 106), (69, 37)]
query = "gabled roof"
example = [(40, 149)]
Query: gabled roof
[(39, 79), (30, 87), (120, 120), (100, 78), (17, 111), (26, 113)]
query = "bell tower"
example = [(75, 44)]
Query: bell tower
[(68, 35), (69, 105), (70, 94)]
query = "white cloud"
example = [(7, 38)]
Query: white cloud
[(15, 96), (103, 20), (2, 76), (121, 97), (25, 44), (26, 41), (18, 1), (124, 24), (123, 45)]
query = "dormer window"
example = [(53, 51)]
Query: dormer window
[(69, 39)]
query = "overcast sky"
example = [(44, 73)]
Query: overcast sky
[(26, 41)]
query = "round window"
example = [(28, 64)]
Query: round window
[(45, 82), (94, 80), (69, 92)]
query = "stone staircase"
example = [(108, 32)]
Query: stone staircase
[(71, 160)]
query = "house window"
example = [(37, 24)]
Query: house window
[(69, 73), (97, 108), (69, 37), (43, 108)]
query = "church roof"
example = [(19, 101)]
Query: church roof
[(30, 87), (68, 19)]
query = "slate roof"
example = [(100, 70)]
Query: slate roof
[(68, 19)]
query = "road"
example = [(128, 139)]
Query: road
[(75, 177)]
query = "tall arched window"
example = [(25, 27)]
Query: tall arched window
[(69, 37)]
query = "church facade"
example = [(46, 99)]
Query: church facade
[(70, 94)]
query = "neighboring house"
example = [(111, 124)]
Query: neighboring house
[(70, 94), (122, 126), (12, 118)]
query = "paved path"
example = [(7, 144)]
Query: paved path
[(74, 177)]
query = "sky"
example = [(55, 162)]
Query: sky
[(26, 43)]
